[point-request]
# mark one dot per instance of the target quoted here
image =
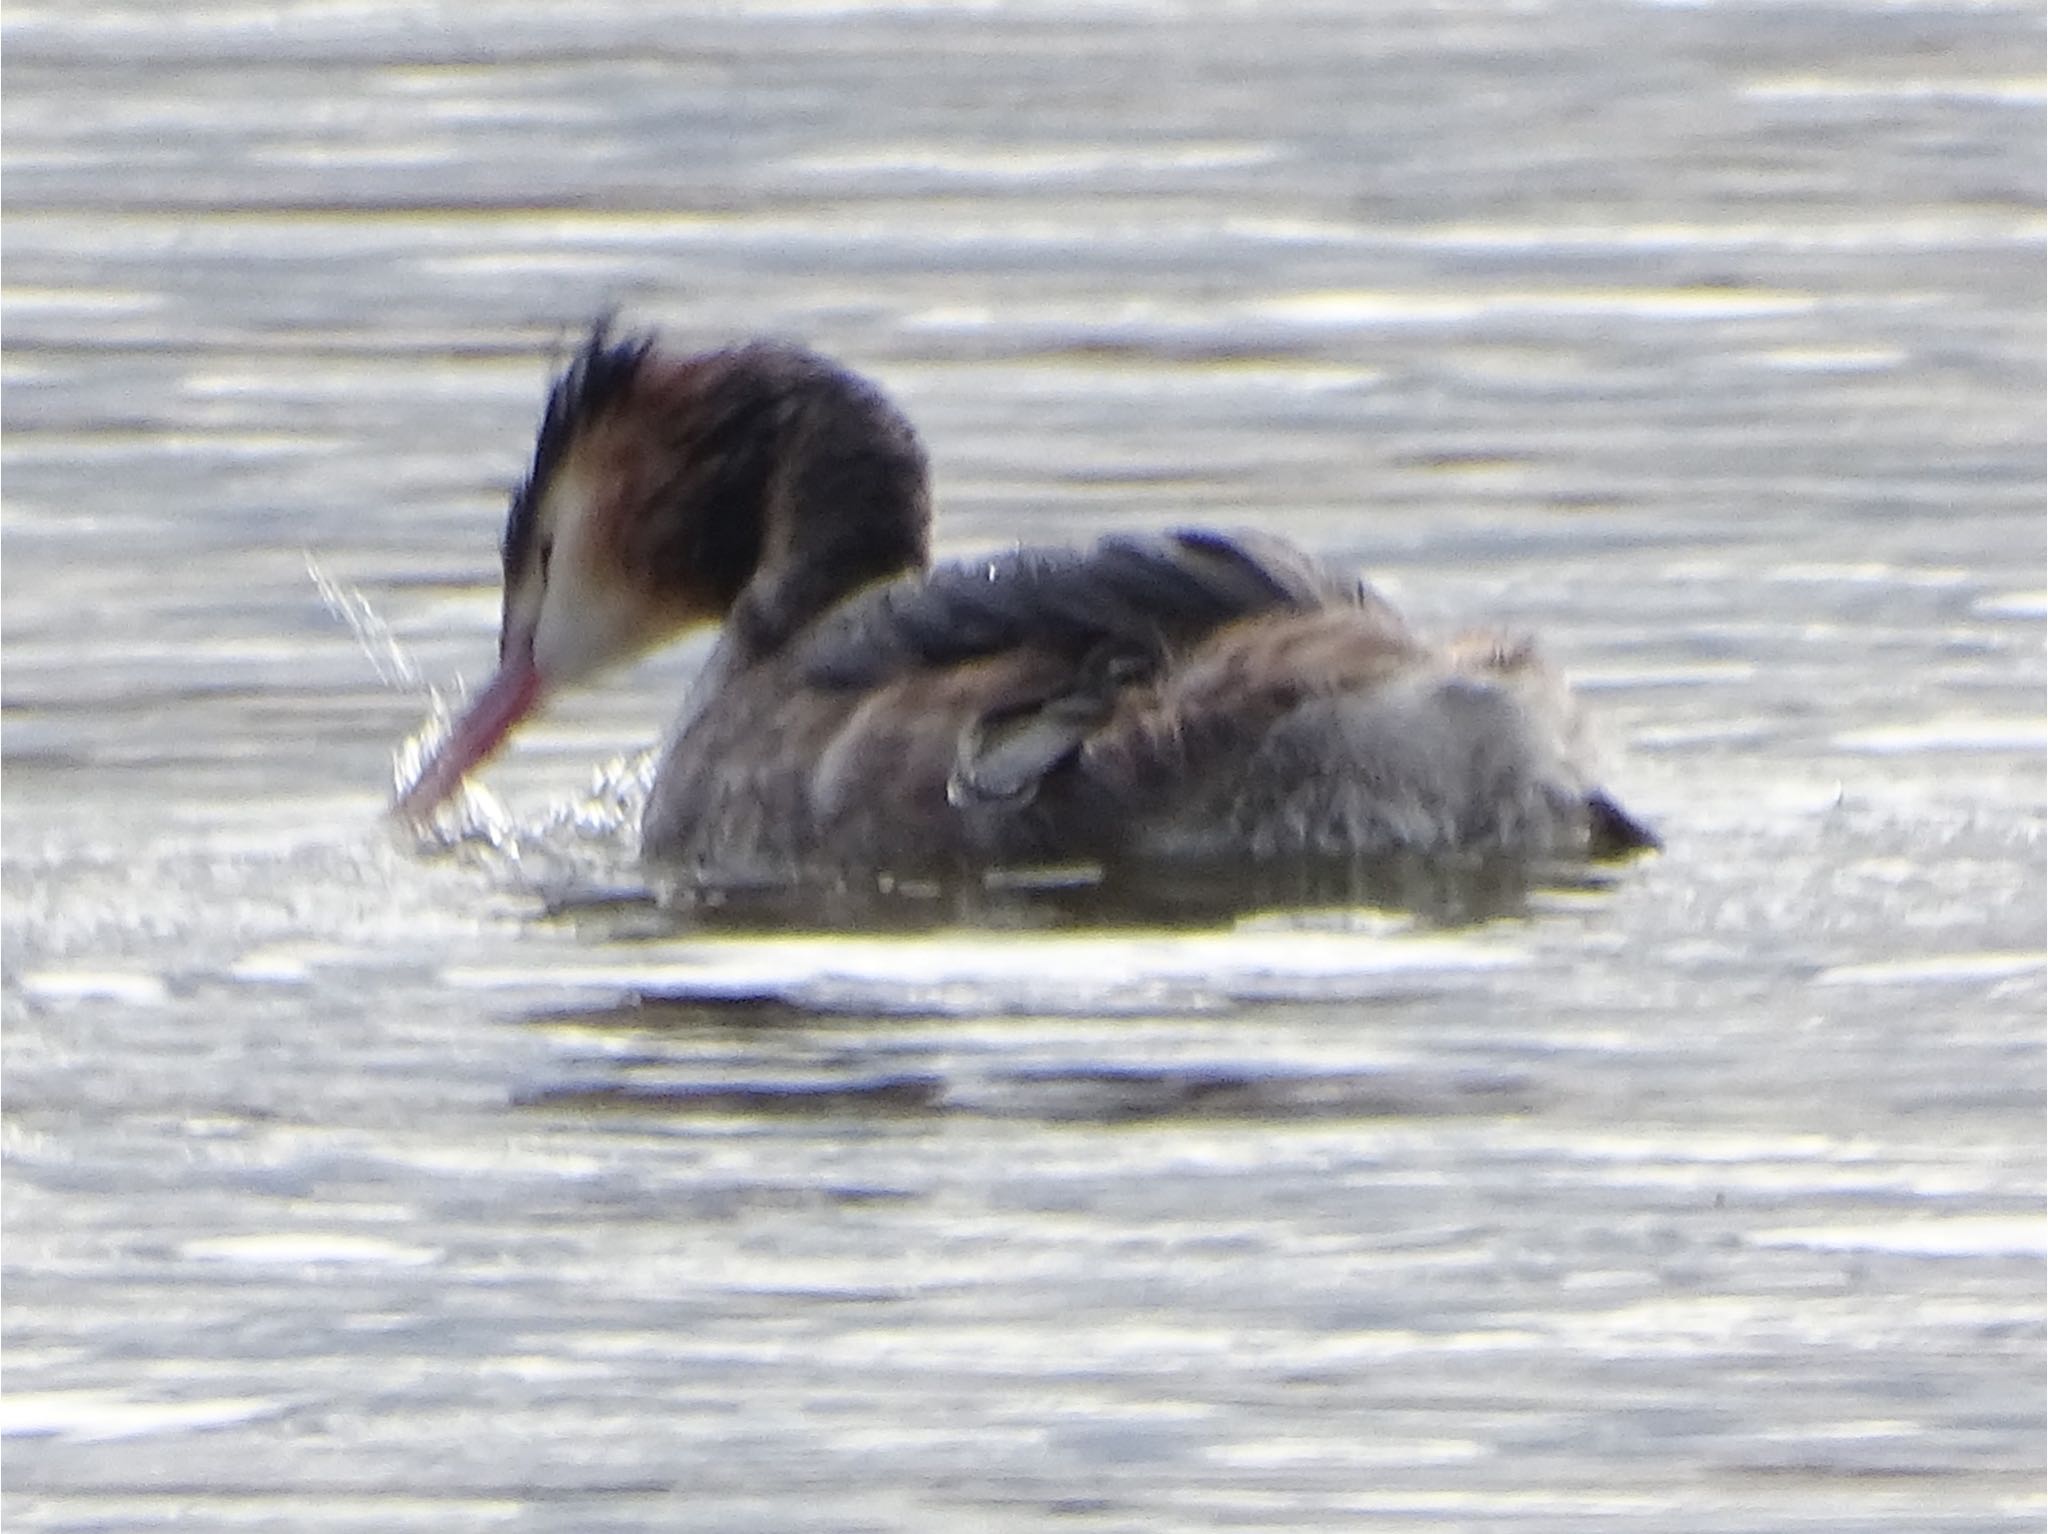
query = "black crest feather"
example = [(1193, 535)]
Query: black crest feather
[(602, 370)]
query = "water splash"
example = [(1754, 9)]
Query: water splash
[(386, 655), (471, 813), (571, 840), (580, 840)]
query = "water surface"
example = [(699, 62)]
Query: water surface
[(353, 1189)]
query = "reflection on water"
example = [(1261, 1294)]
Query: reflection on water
[(1444, 893), (761, 1056), (354, 1185)]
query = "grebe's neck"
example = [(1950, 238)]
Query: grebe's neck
[(844, 502)]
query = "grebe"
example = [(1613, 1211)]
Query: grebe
[(1152, 697)]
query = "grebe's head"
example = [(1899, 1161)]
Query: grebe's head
[(663, 491)]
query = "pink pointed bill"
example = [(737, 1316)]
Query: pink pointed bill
[(491, 716)]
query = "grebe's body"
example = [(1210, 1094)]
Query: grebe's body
[(1152, 697)]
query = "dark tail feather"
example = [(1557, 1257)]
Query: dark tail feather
[(1614, 833)]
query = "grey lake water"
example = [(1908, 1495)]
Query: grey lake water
[(360, 1185)]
